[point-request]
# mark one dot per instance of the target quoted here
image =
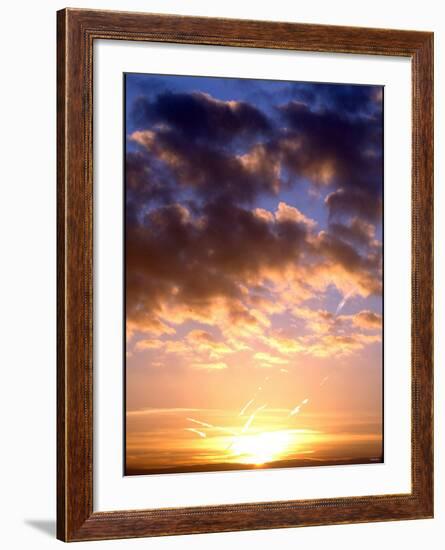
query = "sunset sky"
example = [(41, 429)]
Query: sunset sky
[(253, 273)]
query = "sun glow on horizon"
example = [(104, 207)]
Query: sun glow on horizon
[(263, 447)]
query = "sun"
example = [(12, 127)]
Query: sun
[(261, 448)]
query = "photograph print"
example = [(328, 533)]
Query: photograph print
[(253, 274)]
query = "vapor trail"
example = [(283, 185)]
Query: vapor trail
[(251, 417), (342, 302), (201, 434), (297, 409), (205, 424), (246, 406)]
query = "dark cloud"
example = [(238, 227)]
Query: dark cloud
[(366, 267), (193, 236), (348, 99), (145, 183), (209, 145), (350, 146), (197, 116), (345, 254), (213, 171), (172, 256), (191, 136), (368, 319), (359, 202), (331, 149), (358, 232), (179, 259)]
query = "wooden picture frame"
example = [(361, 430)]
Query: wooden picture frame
[(77, 31)]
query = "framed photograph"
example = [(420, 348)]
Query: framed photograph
[(245, 229)]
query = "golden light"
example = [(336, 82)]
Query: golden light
[(262, 447)]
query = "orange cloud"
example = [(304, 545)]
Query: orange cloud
[(367, 319), (147, 324), (269, 358), (202, 341), (165, 346), (340, 344), (283, 344), (287, 213), (209, 366)]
